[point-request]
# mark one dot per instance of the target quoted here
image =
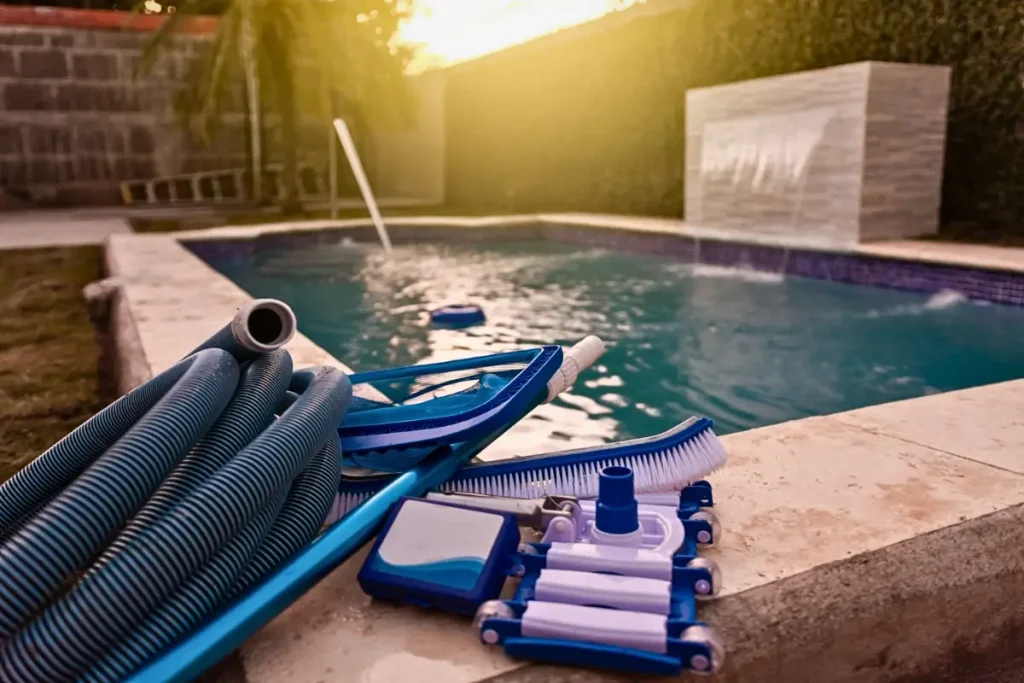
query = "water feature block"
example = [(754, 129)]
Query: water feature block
[(835, 156)]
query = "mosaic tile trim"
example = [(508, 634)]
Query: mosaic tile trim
[(988, 285), (734, 254), (226, 250), (680, 247)]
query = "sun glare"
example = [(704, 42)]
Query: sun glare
[(449, 31)]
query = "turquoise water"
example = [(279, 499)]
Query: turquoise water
[(746, 349)]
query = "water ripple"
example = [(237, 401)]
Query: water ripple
[(743, 347)]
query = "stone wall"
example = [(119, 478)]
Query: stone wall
[(831, 156), (75, 120), (904, 150)]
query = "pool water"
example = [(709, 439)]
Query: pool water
[(747, 349)]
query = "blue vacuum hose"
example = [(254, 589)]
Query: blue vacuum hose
[(146, 520)]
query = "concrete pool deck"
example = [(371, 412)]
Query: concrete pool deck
[(41, 229), (878, 544)]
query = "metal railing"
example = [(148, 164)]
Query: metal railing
[(232, 185), (226, 185)]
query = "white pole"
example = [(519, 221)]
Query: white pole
[(332, 159), (349, 145)]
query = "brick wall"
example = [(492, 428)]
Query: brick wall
[(75, 121)]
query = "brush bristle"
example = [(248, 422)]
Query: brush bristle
[(666, 470), (670, 469), (344, 502)]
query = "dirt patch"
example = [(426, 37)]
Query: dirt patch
[(49, 357)]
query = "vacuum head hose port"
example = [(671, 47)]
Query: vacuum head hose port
[(263, 325), (617, 510)]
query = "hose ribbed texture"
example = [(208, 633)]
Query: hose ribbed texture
[(299, 521), (161, 508)]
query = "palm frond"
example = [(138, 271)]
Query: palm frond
[(215, 79), (162, 36), (309, 56)]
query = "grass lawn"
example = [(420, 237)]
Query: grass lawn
[(49, 357), (50, 363)]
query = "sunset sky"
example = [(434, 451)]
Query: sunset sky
[(450, 31)]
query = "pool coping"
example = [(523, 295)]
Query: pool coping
[(848, 514)]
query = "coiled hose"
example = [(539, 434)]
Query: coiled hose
[(148, 518)]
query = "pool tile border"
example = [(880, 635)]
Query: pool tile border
[(996, 286), (650, 236), (975, 283)]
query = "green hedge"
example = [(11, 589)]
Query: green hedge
[(592, 119)]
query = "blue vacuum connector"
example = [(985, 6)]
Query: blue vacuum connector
[(616, 504)]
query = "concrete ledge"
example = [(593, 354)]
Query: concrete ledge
[(44, 229), (878, 544), (977, 255)]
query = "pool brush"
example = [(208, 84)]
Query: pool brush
[(666, 462)]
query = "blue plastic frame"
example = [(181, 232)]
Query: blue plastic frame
[(457, 316), (499, 563), (541, 364)]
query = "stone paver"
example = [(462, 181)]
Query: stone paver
[(24, 230), (985, 424), (979, 255), (174, 301)]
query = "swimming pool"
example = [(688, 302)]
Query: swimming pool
[(745, 348)]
